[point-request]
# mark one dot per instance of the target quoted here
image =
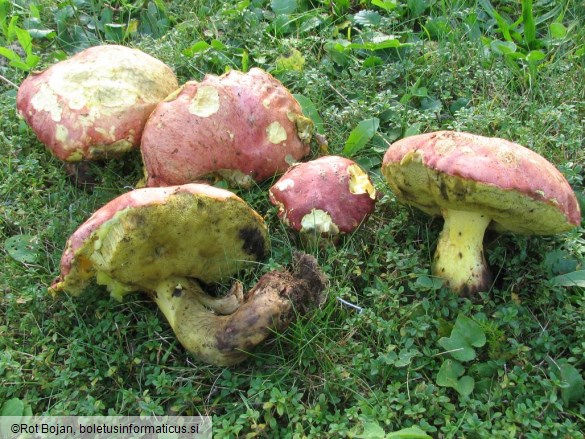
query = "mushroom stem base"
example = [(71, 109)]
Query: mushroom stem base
[(459, 257), (270, 306)]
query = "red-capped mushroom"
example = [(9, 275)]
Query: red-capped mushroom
[(326, 196), (95, 104), (240, 127), (165, 241), (475, 182)]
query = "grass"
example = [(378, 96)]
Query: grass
[(339, 373)]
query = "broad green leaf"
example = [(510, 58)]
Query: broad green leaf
[(408, 433), (310, 23), (360, 136), (42, 33), (503, 47), (574, 279), (8, 53), (429, 283), (310, 110), (24, 39), (12, 407), (197, 47), (458, 104), (417, 7), (242, 5), (449, 376), (372, 61), (20, 64), (284, 7), (575, 386), (466, 335), (387, 5), (420, 92), (558, 31), (32, 60), (535, 56), (367, 18), (378, 41), (218, 45), (412, 130), (559, 262), (372, 430), (22, 248), (431, 104)]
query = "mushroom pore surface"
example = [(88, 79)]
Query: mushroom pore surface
[(170, 241)]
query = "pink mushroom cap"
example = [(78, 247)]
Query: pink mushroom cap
[(329, 195)]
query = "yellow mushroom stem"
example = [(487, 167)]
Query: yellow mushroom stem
[(459, 257), (223, 331)]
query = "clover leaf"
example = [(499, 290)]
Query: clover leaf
[(466, 335), (450, 375)]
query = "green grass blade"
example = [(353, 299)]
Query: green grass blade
[(529, 24)]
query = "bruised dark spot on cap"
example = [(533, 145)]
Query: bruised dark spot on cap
[(460, 255), (254, 243), (177, 292)]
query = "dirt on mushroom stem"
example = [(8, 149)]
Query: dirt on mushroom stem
[(166, 241), (270, 306)]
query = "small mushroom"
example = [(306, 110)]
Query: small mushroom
[(169, 242), (324, 197), (475, 182), (241, 127), (95, 104)]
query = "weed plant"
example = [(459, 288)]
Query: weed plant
[(408, 354)]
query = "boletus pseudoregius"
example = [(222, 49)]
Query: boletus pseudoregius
[(169, 242), (476, 182), (324, 197), (241, 127), (94, 105)]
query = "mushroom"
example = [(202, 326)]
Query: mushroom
[(169, 242), (242, 127), (324, 197), (95, 104), (475, 182)]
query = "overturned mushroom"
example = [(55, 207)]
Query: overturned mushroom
[(95, 104), (326, 196), (167, 241), (239, 127), (475, 182)]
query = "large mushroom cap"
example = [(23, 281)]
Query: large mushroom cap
[(241, 127), (96, 103), (328, 195), (147, 235), (475, 182), (517, 188), (164, 241)]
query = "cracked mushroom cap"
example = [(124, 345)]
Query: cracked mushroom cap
[(519, 190), (95, 104), (148, 235), (329, 195), (242, 127)]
